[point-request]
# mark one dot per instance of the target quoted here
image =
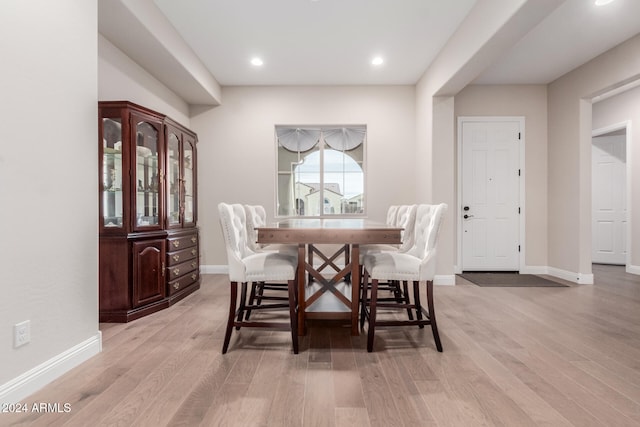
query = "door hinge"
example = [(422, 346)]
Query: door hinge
[(518, 209), (519, 135), (518, 248), (519, 171)]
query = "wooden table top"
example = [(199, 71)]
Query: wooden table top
[(329, 230)]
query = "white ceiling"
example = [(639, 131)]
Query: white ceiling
[(576, 32), (321, 42), (332, 42), (324, 42)]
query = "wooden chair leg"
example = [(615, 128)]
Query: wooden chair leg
[(364, 286), (252, 297), (418, 304), (232, 314), (432, 316), (293, 314), (372, 314), (406, 299), (241, 309)]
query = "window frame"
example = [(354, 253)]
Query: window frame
[(322, 145)]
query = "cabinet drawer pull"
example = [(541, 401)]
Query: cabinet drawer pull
[(176, 258), (194, 276), (176, 243), (176, 271), (176, 286), (193, 252), (193, 239)]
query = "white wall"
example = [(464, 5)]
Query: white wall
[(48, 189), (529, 101), (122, 79), (625, 107), (236, 153), (489, 29), (570, 125)]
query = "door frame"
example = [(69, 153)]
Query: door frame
[(521, 190), (626, 125)]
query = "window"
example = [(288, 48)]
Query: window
[(320, 170)]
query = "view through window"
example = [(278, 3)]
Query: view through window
[(320, 170)]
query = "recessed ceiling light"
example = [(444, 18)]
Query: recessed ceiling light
[(257, 62), (377, 61), (602, 2)]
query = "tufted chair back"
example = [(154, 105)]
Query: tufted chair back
[(233, 222), (406, 218), (256, 217), (427, 228), (392, 214)]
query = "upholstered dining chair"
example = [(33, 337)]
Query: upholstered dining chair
[(247, 266), (256, 216), (415, 265), (403, 216), (392, 214)]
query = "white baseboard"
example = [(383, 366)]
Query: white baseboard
[(444, 279), (534, 269), (214, 269), (34, 379), (580, 278), (633, 269)]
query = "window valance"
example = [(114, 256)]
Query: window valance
[(298, 139)]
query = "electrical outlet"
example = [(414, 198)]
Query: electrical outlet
[(21, 333)]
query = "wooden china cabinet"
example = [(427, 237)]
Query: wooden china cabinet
[(148, 249)]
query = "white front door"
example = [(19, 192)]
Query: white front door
[(490, 195), (609, 214)]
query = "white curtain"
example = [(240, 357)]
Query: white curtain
[(344, 139), (297, 139), (304, 139)]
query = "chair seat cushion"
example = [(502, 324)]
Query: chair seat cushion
[(392, 266), (372, 249), (265, 266), (290, 250)]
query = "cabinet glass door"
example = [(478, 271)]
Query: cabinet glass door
[(174, 182), (147, 179), (189, 180), (112, 209)]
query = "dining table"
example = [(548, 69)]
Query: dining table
[(336, 243)]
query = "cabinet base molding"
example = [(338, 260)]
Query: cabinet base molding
[(124, 316)]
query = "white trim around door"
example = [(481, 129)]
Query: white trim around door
[(626, 125), (521, 184)]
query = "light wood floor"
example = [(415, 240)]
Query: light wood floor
[(512, 357)]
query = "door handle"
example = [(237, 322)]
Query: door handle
[(467, 216)]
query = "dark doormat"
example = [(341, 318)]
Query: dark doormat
[(509, 280)]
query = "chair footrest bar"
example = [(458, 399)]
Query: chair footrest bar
[(402, 322), (264, 325)]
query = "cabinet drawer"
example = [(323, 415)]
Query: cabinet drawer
[(182, 282), (178, 257), (183, 242), (178, 270)]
